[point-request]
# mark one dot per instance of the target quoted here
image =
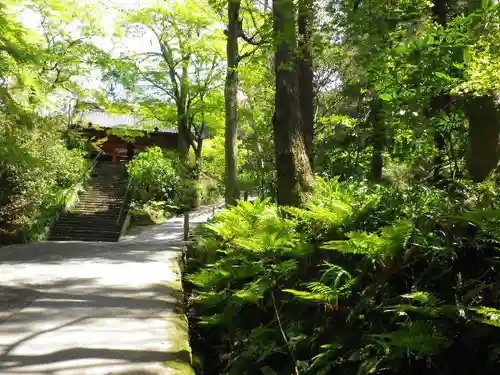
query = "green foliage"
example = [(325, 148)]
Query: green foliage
[(213, 168), (151, 212), (155, 176), (37, 171), (350, 287)]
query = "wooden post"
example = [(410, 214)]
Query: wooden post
[(186, 226)]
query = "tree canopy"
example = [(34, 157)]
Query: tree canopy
[(370, 129)]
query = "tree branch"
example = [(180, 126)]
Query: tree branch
[(167, 55), (247, 54)]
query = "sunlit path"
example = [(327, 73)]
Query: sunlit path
[(95, 308)]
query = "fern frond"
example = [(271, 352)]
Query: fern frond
[(324, 362), (319, 293), (421, 338), (208, 278), (212, 320), (487, 220), (487, 315), (285, 269), (389, 243), (210, 299), (338, 272), (422, 297), (266, 370), (262, 343), (253, 292)]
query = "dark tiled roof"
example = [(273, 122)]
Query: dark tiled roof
[(114, 120)]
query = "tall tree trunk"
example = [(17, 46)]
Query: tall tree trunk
[(182, 132), (198, 160), (230, 93), (378, 140), (294, 174), (484, 129), (182, 109), (440, 11), (440, 101), (306, 89), (484, 137)]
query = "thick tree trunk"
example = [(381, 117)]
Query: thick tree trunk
[(230, 93), (484, 136), (484, 129), (295, 177), (440, 11), (378, 140), (306, 89)]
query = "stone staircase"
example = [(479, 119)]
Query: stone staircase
[(96, 216)]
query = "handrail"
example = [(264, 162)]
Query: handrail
[(95, 160), (125, 201)]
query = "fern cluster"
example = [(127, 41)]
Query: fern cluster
[(362, 281)]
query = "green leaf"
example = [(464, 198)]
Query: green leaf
[(443, 76), (266, 370), (307, 296), (488, 315), (467, 56), (422, 297), (386, 97)]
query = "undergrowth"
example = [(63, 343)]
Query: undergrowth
[(365, 280)]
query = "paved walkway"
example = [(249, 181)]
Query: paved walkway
[(95, 308)]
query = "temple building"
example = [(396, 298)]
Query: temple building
[(114, 133)]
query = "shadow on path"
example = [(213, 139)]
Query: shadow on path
[(87, 308)]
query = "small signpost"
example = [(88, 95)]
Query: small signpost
[(186, 226)]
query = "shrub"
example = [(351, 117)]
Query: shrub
[(36, 172), (155, 176), (366, 280)]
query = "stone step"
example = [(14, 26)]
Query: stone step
[(104, 194), (93, 218), (70, 216), (95, 210), (90, 236), (97, 223), (84, 238), (108, 184), (104, 205), (104, 190), (99, 200), (102, 202), (104, 213), (91, 231), (98, 205), (107, 189)]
